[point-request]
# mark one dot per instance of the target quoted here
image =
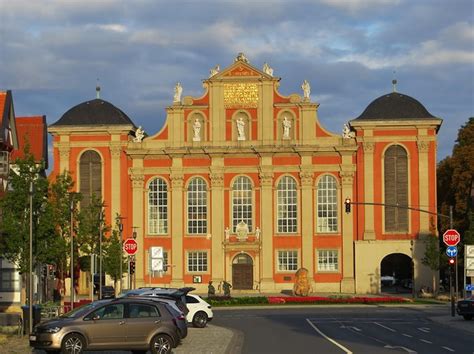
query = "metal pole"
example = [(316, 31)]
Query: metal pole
[(101, 215), (72, 255), (465, 275), (451, 290), (30, 285), (129, 275), (121, 254), (456, 258)]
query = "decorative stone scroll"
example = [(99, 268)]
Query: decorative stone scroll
[(177, 181), (64, 152), (423, 146), (115, 151), (242, 231), (347, 177), (368, 147), (306, 178), (217, 179), (137, 180), (266, 179)]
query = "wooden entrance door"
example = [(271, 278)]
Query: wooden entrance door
[(242, 272)]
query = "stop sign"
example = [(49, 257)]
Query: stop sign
[(451, 237), (130, 246)]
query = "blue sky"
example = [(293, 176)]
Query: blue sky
[(53, 51)]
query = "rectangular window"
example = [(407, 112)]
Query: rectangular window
[(328, 260), (9, 280), (197, 261), (287, 261)]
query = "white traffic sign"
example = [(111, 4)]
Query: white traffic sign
[(451, 237)]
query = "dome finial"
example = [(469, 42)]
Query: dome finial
[(394, 82), (97, 89)]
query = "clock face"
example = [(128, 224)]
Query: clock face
[(157, 252)]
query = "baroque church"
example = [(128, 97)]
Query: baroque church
[(244, 184)]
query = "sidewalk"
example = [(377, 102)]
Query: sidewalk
[(211, 340), (456, 322)]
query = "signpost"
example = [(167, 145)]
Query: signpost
[(130, 246), (451, 237), (452, 251)]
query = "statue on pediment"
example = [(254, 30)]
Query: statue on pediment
[(178, 90), (267, 69), (306, 90), (215, 70), (347, 133), (241, 57), (242, 231), (139, 135)]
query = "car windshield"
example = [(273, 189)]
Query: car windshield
[(80, 311)]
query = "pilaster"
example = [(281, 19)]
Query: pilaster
[(347, 283), (266, 212), (115, 177), (424, 187), (137, 177), (369, 148), (177, 184), (307, 216), (217, 226)]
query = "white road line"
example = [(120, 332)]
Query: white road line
[(381, 325), (407, 335), (329, 339), (426, 341), (424, 329), (448, 349)]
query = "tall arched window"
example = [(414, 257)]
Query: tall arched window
[(242, 202), (327, 204), (158, 207), (287, 206), (197, 206), (90, 176), (396, 189)]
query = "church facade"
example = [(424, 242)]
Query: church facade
[(245, 185)]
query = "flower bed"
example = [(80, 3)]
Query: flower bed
[(334, 300)]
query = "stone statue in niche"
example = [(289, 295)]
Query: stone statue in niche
[(178, 90), (197, 130), (302, 286), (257, 233), (267, 69), (139, 135), (347, 133), (240, 129), (227, 233), (306, 90), (286, 128), (215, 70)]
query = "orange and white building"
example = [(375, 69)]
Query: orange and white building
[(244, 184)]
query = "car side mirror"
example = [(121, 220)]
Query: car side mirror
[(96, 317)]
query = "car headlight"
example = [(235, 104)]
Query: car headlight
[(52, 330)]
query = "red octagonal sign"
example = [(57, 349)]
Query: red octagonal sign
[(130, 246), (451, 237)]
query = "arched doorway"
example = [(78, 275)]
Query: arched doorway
[(396, 273), (242, 272)]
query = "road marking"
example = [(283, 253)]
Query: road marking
[(381, 325), (329, 339), (424, 329), (448, 348), (399, 347), (426, 341), (407, 335)]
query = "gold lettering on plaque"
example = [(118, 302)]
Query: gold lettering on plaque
[(240, 95)]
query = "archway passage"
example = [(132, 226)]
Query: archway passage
[(396, 273), (242, 272)]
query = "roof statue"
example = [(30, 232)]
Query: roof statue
[(306, 90), (347, 133), (139, 135), (267, 69), (241, 57), (178, 90), (215, 70)]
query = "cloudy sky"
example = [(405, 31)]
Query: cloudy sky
[(53, 51)]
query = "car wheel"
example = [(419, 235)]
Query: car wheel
[(200, 319), (73, 343), (161, 344), (467, 317)]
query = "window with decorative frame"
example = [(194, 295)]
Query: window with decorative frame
[(9, 280), (327, 204), (287, 205), (90, 176), (197, 261), (197, 206), (328, 260), (242, 202), (396, 188), (287, 261), (158, 207)]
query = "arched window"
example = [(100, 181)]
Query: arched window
[(287, 206), (396, 189), (197, 206), (327, 204), (158, 207), (90, 176), (242, 202)]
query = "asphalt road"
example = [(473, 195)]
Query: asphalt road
[(369, 329)]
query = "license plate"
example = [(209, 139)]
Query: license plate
[(32, 338)]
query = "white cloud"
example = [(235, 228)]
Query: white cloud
[(358, 5)]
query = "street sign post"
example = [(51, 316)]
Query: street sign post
[(452, 251), (451, 237), (130, 246)]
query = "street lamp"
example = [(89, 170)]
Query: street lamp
[(72, 251), (30, 290), (101, 217), (120, 225)]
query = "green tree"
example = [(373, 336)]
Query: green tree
[(15, 221), (113, 255)]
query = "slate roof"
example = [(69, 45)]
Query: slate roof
[(395, 106), (95, 112), (32, 130)]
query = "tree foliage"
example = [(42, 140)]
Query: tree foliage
[(113, 255)]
